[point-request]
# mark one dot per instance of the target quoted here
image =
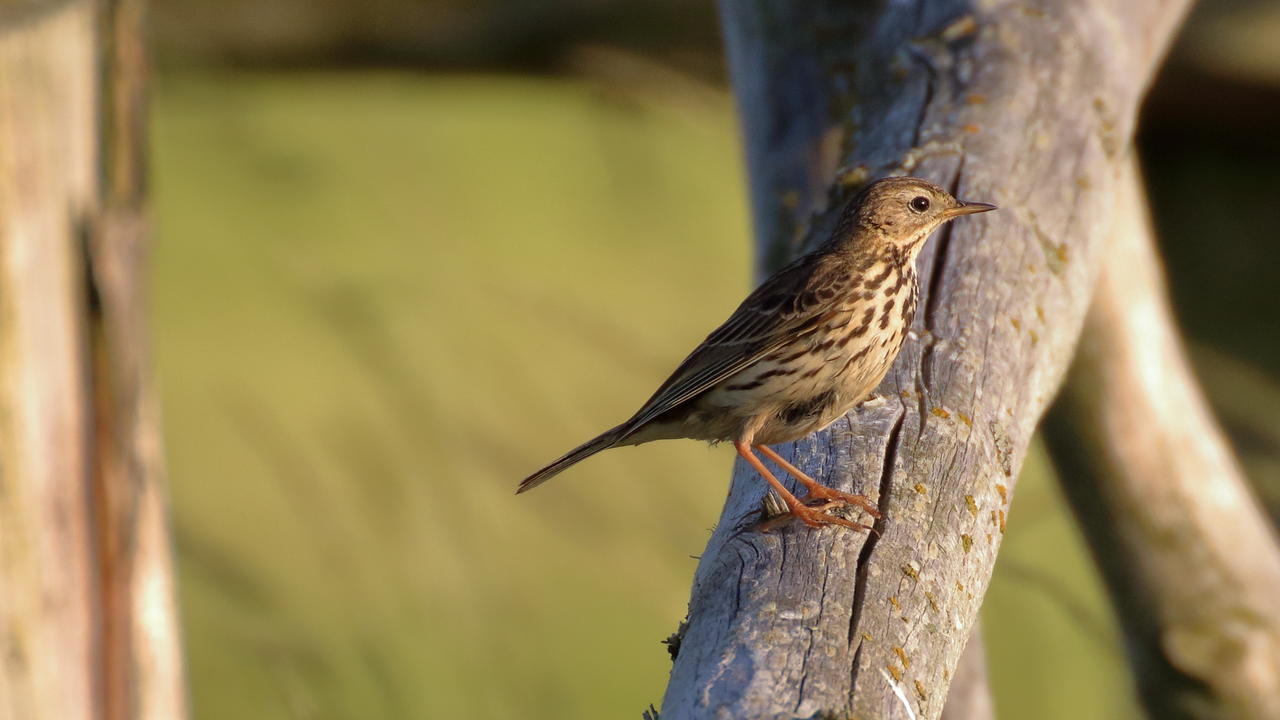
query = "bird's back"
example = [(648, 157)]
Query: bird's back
[(815, 376)]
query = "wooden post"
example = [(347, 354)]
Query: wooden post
[(87, 620)]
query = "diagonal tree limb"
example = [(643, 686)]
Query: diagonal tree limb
[(1028, 105), (1187, 553)]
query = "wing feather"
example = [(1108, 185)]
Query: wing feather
[(783, 307)]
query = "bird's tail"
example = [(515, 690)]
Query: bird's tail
[(604, 441)]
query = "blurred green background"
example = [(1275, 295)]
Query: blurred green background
[(402, 262)]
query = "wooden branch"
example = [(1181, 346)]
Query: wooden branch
[(88, 625), (1028, 105), (1190, 560)]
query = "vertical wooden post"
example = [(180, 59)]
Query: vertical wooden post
[(87, 620), (49, 619)]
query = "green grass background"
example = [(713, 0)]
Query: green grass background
[(382, 298)]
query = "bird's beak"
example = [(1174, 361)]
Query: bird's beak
[(968, 208)]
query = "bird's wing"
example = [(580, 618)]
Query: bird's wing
[(788, 304)]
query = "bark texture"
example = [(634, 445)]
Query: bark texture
[(1029, 105), (87, 620), (1188, 554)]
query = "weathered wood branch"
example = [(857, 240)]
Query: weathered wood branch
[(1028, 105), (1188, 555), (88, 625)]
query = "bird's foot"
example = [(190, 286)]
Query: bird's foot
[(815, 516), (827, 495)]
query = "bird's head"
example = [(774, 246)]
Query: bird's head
[(898, 214)]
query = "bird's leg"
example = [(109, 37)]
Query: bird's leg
[(817, 490), (812, 517)]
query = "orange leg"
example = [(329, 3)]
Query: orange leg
[(813, 517), (817, 490)]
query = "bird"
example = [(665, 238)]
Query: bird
[(810, 343)]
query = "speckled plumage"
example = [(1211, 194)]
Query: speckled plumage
[(811, 342)]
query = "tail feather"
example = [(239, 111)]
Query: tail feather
[(604, 441)]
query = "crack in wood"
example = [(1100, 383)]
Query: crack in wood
[(808, 651), (873, 538)]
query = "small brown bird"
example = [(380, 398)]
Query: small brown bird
[(810, 343)]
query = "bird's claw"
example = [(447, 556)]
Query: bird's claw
[(815, 516), (825, 494)]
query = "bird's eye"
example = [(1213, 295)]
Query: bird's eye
[(920, 203)]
